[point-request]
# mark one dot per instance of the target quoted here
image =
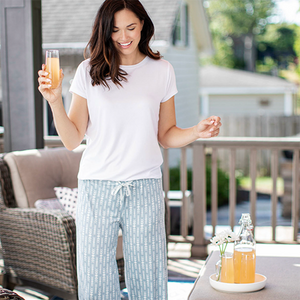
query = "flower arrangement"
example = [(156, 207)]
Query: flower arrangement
[(221, 240)]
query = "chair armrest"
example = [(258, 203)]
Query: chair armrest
[(40, 245)]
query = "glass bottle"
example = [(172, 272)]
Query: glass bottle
[(244, 252)]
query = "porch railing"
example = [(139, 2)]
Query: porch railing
[(232, 144), (199, 148)]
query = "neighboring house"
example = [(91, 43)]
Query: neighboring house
[(234, 92), (181, 34)]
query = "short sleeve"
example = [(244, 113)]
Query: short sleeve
[(171, 88), (78, 85)]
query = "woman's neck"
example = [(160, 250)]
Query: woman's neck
[(132, 59)]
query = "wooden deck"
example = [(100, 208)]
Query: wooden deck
[(181, 266)]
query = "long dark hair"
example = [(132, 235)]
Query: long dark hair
[(104, 57)]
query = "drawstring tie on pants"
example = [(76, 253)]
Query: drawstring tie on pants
[(119, 188)]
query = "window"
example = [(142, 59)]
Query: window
[(181, 29), (264, 102)]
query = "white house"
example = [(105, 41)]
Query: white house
[(234, 92), (181, 34)]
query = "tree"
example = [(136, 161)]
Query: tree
[(277, 44), (297, 49), (237, 23)]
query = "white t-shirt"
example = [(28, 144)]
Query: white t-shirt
[(122, 129)]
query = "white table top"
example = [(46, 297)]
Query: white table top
[(280, 263)]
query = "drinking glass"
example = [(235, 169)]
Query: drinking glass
[(227, 272), (224, 268), (53, 67)]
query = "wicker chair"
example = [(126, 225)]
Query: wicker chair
[(38, 245)]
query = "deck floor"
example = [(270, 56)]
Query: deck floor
[(181, 266)]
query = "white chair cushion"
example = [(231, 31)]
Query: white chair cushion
[(35, 173), (48, 204)]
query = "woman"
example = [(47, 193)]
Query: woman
[(123, 101)]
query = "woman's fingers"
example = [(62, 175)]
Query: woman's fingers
[(213, 130), (45, 86), (214, 120), (44, 80), (214, 127), (209, 127), (43, 71)]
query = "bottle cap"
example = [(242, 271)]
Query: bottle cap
[(245, 219)]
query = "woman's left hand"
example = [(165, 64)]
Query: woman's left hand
[(209, 127)]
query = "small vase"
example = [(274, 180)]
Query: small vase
[(218, 268), (224, 268)]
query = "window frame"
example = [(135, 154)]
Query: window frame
[(180, 33)]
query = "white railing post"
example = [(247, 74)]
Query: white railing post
[(183, 187), (166, 184), (274, 198), (253, 194), (295, 194), (214, 189), (199, 246), (232, 188)]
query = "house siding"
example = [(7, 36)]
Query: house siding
[(245, 104), (186, 66), (185, 62)]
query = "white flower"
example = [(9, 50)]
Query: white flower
[(215, 241), (233, 237), (230, 236), (225, 236)]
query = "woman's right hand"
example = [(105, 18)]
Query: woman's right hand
[(51, 95)]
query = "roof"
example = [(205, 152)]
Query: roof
[(68, 23), (71, 21), (219, 79)]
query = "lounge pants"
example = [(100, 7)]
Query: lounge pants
[(137, 207)]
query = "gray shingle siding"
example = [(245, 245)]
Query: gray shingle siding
[(66, 21)]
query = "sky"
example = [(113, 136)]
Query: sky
[(288, 11)]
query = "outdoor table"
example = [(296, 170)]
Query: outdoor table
[(279, 263)]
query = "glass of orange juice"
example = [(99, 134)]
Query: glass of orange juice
[(227, 269), (53, 67)]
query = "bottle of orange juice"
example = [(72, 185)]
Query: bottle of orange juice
[(244, 258)]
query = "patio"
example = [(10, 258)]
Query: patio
[(187, 253), (184, 264), (184, 269)]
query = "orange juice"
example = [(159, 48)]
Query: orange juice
[(244, 265), (52, 67), (227, 271)]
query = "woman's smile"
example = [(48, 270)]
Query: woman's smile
[(125, 45)]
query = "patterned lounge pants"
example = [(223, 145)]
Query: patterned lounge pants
[(137, 207)]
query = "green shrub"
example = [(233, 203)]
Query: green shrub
[(223, 183)]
